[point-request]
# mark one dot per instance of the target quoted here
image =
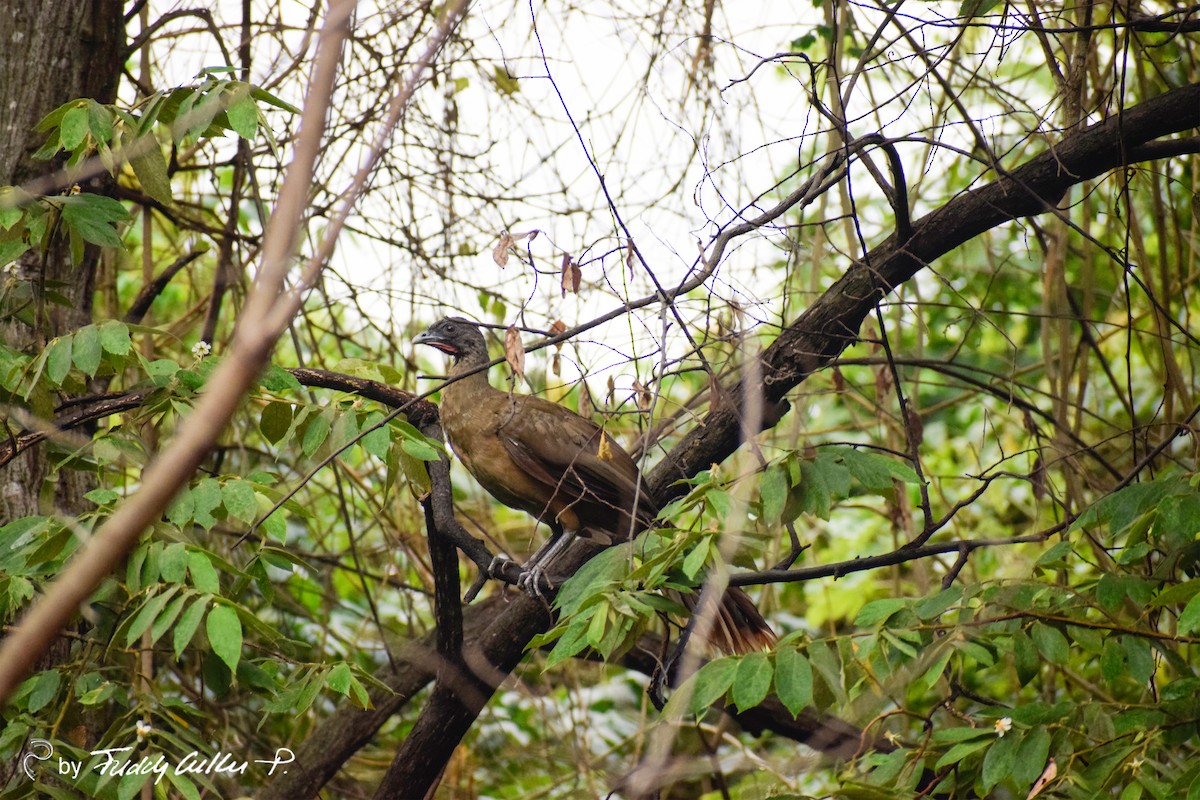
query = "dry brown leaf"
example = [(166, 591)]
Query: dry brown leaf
[(612, 390), (643, 396), (558, 327), (1043, 780), (630, 252), (604, 451), (556, 363), (507, 242), (585, 400), (571, 276), (514, 352), (500, 251)]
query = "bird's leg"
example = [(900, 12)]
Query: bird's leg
[(534, 568)]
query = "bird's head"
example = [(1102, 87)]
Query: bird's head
[(455, 336)]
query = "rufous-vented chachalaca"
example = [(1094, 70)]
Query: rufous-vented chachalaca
[(559, 467)]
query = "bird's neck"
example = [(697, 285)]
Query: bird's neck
[(474, 367)]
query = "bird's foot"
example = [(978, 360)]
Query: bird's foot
[(496, 568), (530, 581)]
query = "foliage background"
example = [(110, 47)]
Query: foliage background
[(1022, 408)]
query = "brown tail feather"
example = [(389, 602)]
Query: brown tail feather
[(739, 627)]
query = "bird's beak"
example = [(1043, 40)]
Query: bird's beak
[(435, 340)]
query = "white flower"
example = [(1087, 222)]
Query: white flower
[(201, 349), (144, 728), (1003, 726)]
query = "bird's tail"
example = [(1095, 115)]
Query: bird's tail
[(739, 627)]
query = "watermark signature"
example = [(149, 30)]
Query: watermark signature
[(119, 761)]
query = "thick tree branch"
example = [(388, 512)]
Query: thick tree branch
[(810, 342)]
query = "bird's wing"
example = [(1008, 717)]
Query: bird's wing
[(573, 457)]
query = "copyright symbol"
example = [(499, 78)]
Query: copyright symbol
[(39, 750)]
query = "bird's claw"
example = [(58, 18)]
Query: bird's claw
[(531, 580), (496, 569)]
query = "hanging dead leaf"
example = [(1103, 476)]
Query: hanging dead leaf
[(556, 363), (642, 394), (584, 408), (883, 382), (500, 251), (604, 450), (1037, 478), (612, 391), (507, 242), (558, 327), (630, 253), (571, 276), (1043, 780), (514, 352)]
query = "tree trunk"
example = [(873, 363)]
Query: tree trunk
[(50, 53)]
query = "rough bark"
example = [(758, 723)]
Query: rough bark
[(50, 53)]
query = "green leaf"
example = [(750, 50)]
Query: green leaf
[(961, 751), (44, 688), (314, 433), (1189, 618), (167, 618), (697, 559), (179, 513), (173, 563), (1055, 556), (1139, 657), (971, 9), (264, 96), (86, 350), (878, 611), (100, 120), (161, 370), (114, 337), (712, 682), (184, 784), (339, 678), (239, 499), (999, 760), (1112, 661), (415, 443), (243, 118), (188, 623), (377, 442), (277, 379), (74, 127), (592, 578), (88, 220), (773, 490), (932, 606), (1025, 657), (752, 680), (150, 167), (58, 359), (276, 421), (1050, 642), (793, 679), (225, 635), (206, 497), (204, 576), (148, 613)]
